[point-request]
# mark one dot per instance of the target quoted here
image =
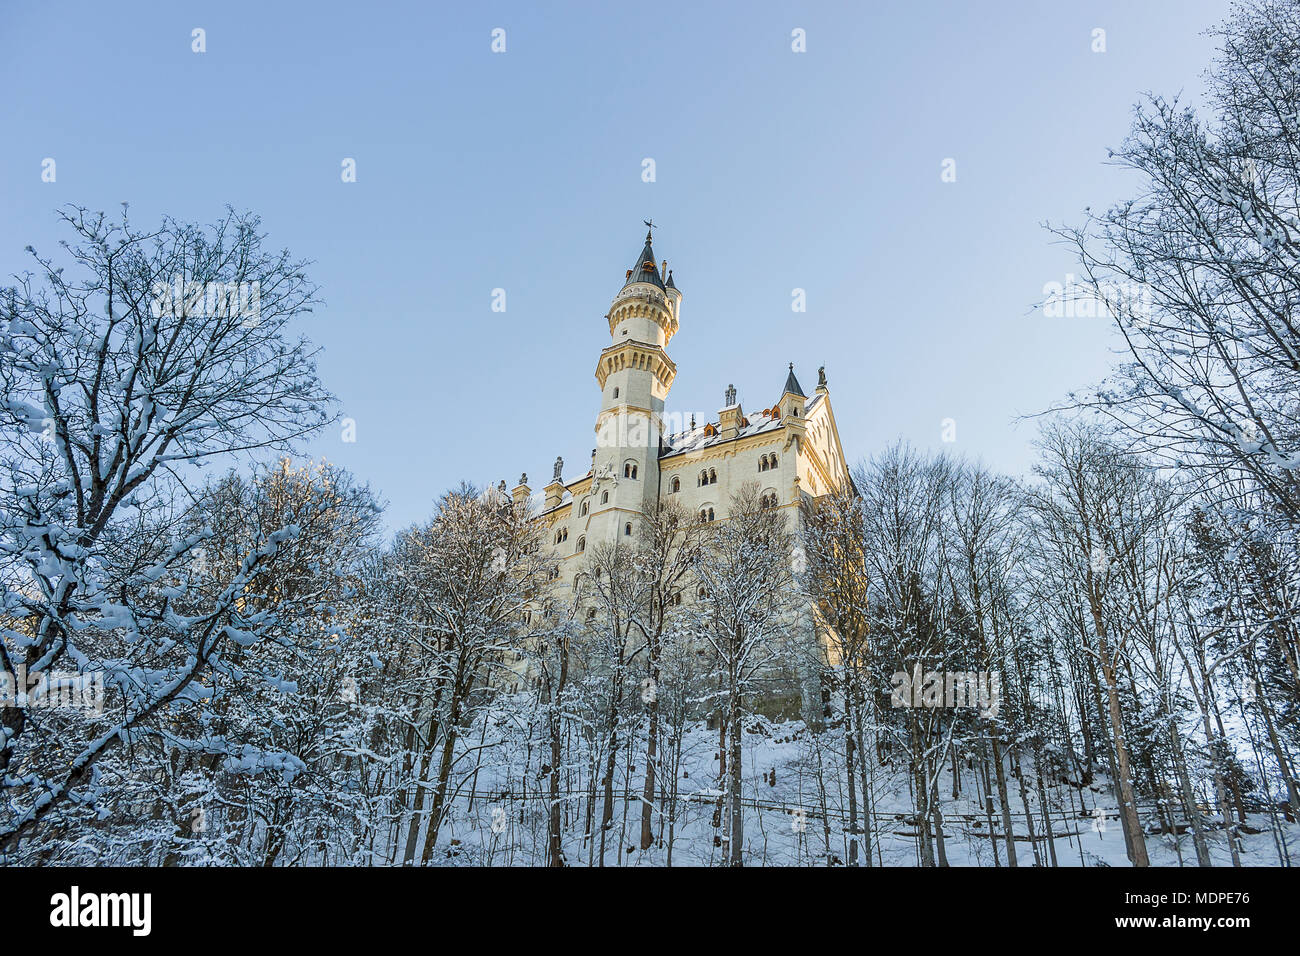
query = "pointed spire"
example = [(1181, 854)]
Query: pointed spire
[(792, 385), (645, 269)]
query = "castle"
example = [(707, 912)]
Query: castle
[(790, 448)]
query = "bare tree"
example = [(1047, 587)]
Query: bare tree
[(748, 603), (123, 364)]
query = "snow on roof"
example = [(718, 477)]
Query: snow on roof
[(693, 440)]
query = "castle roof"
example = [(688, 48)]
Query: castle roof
[(792, 385), (644, 269)]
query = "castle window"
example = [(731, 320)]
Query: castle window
[(582, 511), (762, 463), (591, 614), (704, 478), (706, 515), (768, 500), (773, 458), (677, 598), (713, 477), (604, 498), (702, 593), (675, 487), (627, 530), (629, 470), (616, 391), (582, 545)]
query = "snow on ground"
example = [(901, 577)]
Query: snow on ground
[(504, 824)]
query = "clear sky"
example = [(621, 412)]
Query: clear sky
[(522, 170)]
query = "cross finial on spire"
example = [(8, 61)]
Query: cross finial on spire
[(650, 226)]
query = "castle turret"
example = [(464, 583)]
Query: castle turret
[(792, 397), (634, 374), (791, 407)]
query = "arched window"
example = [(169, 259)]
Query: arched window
[(582, 544), (582, 511), (677, 598), (629, 470), (768, 500), (762, 463), (591, 614), (704, 478), (706, 515), (604, 498), (773, 458), (702, 592), (616, 391), (713, 477), (675, 486), (627, 530)]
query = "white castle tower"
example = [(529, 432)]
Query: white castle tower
[(635, 374)]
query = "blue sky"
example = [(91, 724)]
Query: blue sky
[(522, 170)]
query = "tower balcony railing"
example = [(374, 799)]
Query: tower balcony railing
[(646, 294)]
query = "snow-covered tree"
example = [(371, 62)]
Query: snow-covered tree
[(127, 360)]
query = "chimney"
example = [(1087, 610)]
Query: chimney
[(730, 418), (521, 491)]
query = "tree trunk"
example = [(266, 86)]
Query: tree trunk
[(1005, 801), (1127, 801), (651, 758), (737, 835)]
